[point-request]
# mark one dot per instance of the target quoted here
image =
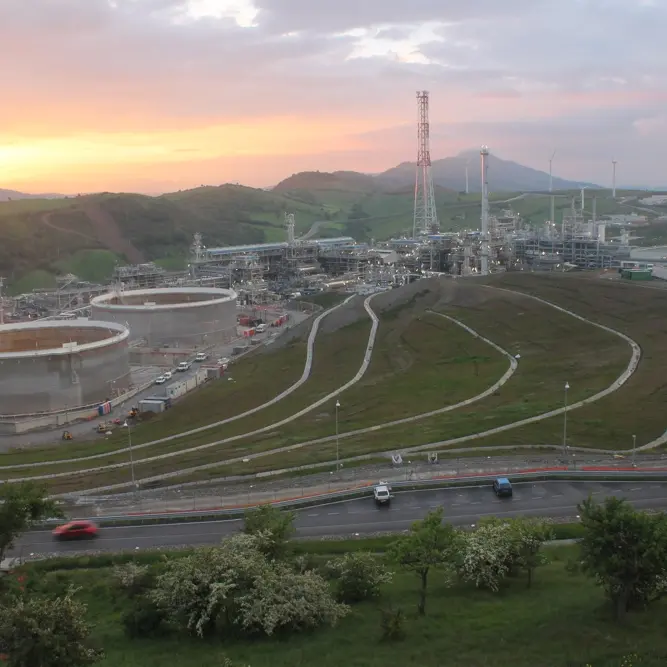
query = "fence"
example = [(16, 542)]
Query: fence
[(204, 496)]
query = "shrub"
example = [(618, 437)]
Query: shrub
[(144, 619), (132, 577), (358, 576), (392, 622)]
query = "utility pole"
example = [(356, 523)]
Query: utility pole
[(337, 440), (2, 301), (567, 386)]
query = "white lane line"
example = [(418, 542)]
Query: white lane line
[(332, 513), (313, 514), (636, 489), (557, 495)]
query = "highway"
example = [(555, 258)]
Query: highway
[(462, 506)]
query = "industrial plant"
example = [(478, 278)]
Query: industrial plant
[(53, 360)]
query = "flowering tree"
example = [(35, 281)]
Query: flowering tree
[(39, 632), (359, 575), (274, 526), (500, 548), (199, 590), (21, 505), (282, 600), (486, 555), (429, 544), (236, 587)]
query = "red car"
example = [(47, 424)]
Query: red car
[(76, 530)]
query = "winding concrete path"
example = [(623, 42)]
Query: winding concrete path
[(622, 379), (617, 384), (160, 457), (513, 365)]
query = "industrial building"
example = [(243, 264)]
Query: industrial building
[(48, 366), (176, 316)]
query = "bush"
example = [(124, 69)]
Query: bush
[(392, 622), (358, 576), (132, 577), (144, 619)]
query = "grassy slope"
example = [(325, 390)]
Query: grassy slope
[(405, 379), (464, 627), (636, 409)]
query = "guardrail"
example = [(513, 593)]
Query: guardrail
[(236, 512)]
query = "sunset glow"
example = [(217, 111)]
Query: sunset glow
[(175, 94)]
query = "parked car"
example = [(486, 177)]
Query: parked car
[(76, 530), (502, 487), (160, 379)]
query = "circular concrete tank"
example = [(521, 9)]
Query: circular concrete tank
[(176, 316), (46, 366)]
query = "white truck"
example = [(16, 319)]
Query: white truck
[(382, 493)]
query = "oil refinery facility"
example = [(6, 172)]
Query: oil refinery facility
[(83, 346)]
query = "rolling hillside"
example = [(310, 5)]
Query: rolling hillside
[(42, 238)]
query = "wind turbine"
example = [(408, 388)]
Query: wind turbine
[(613, 178), (551, 178), (552, 212)]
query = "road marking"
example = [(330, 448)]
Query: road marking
[(332, 513), (457, 504), (476, 502), (557, 495), (436, 505), (313, 514), (637, 489), (617, 490)]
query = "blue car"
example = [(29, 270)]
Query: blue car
[(502, 487)]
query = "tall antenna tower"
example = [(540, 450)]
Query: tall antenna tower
[(613, 178), (484, 154), (425, 216), (467, 188)]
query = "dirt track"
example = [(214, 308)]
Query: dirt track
[(109, 234)]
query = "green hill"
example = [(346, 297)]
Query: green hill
[(42, 238), (89, 235)]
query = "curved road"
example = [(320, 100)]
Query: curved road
[(461, 505)]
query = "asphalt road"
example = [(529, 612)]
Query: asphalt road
[(463, 505)]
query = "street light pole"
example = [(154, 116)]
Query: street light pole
[(337, 442), (634, 449), (567, 386), (129, 440)]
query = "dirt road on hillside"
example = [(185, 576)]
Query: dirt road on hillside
[(109, 233)]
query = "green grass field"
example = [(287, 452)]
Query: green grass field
[(421, 362), (561, 621)]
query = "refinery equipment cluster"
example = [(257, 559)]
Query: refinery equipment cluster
[(48, 366)]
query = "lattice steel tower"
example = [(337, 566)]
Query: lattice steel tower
[(425, 216)]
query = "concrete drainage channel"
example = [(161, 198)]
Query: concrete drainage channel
[(363, 492)]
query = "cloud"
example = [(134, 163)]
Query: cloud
[(189, 83)]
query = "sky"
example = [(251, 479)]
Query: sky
[(161, 95)]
